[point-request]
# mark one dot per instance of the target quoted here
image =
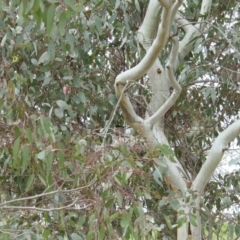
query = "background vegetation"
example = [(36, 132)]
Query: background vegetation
[(59, 60)]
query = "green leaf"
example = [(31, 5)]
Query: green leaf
[(49, 161), (213, 95), (22, 8), (58, 113), (29, 6), (168, 221), (98, 3), (112, 99), (147, 195), (42, 180), (61, 158), (36, 6), (51, 50), (29, 136), (126, 218), (61, 104), (163, 202), (41, 155), (46, 124), (231, 231), (119, 198), (70, 3), (16, 148), (117, 4), (50, 18), (181, 221), (193, 220), (52, 1), (70, 40), (81, 220), (75, 236), (30, 181), (167, 151), (98, 24), (226, 201), (114, 216), (207, 92), (46, 233), (110, 202), (44, 58), (157, 175), (46, 68), (102, 233), (26, 156), (237, 230), (137, 5), (34, 61), (3, 40), (79, 98), (62, 22), (14, 2), (174, 203)]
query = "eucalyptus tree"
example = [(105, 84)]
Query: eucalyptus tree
[(66, 170), (157, 25)]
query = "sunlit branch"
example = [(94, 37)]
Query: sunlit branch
[(141, 68), (192, 31), (215, 155), (182, 22), (165, 3)]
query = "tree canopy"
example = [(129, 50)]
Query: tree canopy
[(68, 171)]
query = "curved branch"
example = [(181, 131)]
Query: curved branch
[(147, 31), (165, 3), (193, 31), (184, 24), (177, 88), (141, 68), (215, 155)]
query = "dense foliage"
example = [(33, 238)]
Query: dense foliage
[(58, 63)]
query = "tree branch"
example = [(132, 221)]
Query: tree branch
[(215, 155), (140, 69), (148, 30), (192, 31), (165, 3), (45, 194), (177, 88), (42, 209)]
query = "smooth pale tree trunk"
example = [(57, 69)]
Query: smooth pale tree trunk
[(157, 25)]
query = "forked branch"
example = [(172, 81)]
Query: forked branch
[(140, 69), (177, 88)]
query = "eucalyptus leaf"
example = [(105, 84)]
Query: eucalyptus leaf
[(44, 58)]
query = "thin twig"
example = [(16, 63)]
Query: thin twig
[(44, 194), (106, 128), (42, 209)]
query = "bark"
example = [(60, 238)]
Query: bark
[(157, 24)]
